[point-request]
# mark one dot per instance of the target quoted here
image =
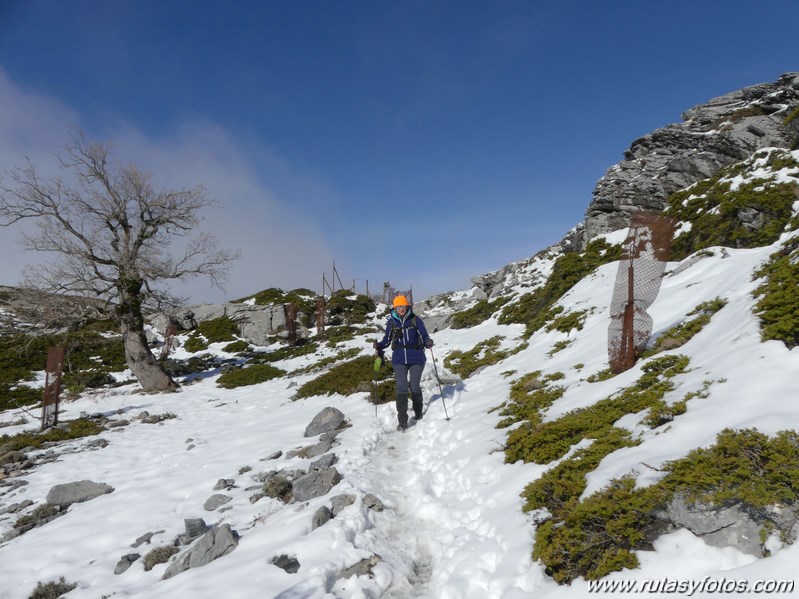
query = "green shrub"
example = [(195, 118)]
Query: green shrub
[(717, 213), (218, 329), (548, 441), (778, 303), (195, 343), (237, 347), (789, 118), (324, 362), (302, 348), (249, 375), (52, 589), (478, 313), (339, 334), (159, 555), (597, 536), (347, 378), (485, 353), (535, 309), (559, 346), (682, 333), (567, 322), (529, 396), (343, 308)]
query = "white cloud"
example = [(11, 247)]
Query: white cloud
[(279, 247)]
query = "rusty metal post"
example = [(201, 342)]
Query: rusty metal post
[(638, 279), (52, 386), (169, 339), (290, 311), (320, 315)]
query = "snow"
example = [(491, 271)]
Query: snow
[(453, 527)]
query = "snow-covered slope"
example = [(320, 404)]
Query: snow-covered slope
[(452, 526)]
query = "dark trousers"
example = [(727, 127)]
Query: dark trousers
[(408, 376)]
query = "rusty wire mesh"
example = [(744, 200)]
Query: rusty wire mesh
[(52, 386), (645, 253)]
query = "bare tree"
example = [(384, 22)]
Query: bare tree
[(113, 230)]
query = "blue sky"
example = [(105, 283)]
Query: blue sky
[(420, 143)]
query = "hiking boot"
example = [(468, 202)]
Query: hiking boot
[(419, 416), (402, 428)]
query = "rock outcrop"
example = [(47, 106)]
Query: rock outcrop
[(726, 130)]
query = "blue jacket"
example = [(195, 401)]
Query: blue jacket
[(407, 337)]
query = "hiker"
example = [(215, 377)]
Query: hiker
[(407, 336)]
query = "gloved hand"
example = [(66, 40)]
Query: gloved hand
[(429, 343)]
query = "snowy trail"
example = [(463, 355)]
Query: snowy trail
[(434, 517)]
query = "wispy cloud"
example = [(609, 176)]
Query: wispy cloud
[(279, 247)]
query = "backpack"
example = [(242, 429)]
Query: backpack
[(396, 334)]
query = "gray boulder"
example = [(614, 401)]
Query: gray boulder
[(325, 421), (216, 501), (315, 484), (212, 545), (76, 492), (323, 463), (339, 502)]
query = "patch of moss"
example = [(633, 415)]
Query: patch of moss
[(249, 375), (535, 309), (346, 378), (778, 303), (789, 118), (477, 314), (72, 429)]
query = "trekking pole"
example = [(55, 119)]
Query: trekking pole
[(438, 380)]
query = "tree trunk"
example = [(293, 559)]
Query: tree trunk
[(150, 374)]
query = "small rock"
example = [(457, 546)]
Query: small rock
[(373, 503), (339, 502), (287, 563), (328, 420), (125, 562), (320, 517), (224, 483)]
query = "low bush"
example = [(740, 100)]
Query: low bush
[(159, 555), (249, 375), (72, 429), (347, 378), (535, 309), (478, 313), (682, 333), (778, 303), (53, 589)]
